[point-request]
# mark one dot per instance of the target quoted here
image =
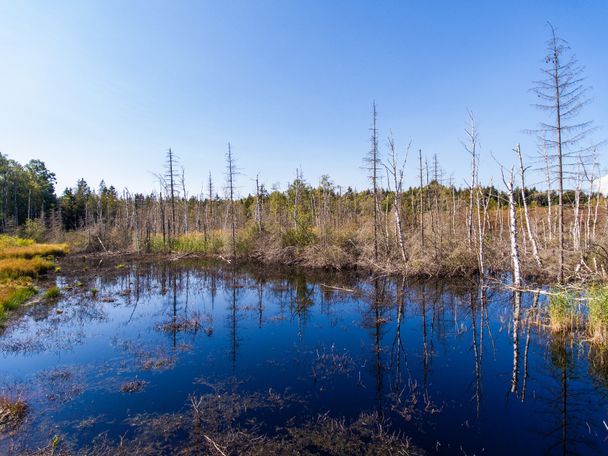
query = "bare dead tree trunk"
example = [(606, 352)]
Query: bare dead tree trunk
[(230, 168), (258, 207), (396, 172), (531, 237), (373, 160), (513, 231), (171, 176), (549, 199), (471, 147), (183, 182), (421, 199)]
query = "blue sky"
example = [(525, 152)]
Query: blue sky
[(101, 89)]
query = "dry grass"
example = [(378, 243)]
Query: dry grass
[(12, 413), (34, 250), (134, 386), (23, 267), (21, 259)]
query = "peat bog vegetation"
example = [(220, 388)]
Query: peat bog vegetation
[(411, 317)]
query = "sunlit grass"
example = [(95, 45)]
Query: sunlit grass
[(12, 241), (52, 293), (189, 243), (564, 312), (33, 250), (21, 260), (14, 293), (20, 267), (597, 301)]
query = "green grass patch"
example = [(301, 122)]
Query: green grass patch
[(13, 294), (52, 293), (597, 302), (564, 312)]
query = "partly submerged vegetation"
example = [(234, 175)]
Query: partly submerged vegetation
[(211, 359), (597, 301), (564, 311)]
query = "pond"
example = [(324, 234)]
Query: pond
[(191, 357)]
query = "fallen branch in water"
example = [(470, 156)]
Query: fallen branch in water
[(179, 257), (214, 445), (349, 290)]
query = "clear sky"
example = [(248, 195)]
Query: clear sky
[(101, 89)]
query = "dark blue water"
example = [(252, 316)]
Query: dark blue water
[(437, 361)]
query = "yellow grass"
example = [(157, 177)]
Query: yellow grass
[(20, 267), (12, 241), (20, 260), (33, 250)]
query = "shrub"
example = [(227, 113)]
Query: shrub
[(34, 229), (299, 237)]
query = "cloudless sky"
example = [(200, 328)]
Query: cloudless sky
[(101, 89)]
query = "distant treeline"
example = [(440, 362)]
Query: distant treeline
[(27, 192)]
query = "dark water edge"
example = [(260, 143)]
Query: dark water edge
[(187, 355)]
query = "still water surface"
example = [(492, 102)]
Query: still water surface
[(454, 367)]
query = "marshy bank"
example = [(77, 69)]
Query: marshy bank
[(155, 357), (22, 262)]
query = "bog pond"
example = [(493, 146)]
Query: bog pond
[(189, 357)]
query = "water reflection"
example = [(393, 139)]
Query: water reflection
[(435, 359)]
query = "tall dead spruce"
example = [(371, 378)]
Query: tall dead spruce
[(562, 94)]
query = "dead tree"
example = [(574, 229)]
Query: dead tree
[(258, 204), (372, 161), (562, 94), (230, 175), (185, 195), (531, 236), (471, 148), (395, 171), (515, 262), (421, 197), (171, 178)]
